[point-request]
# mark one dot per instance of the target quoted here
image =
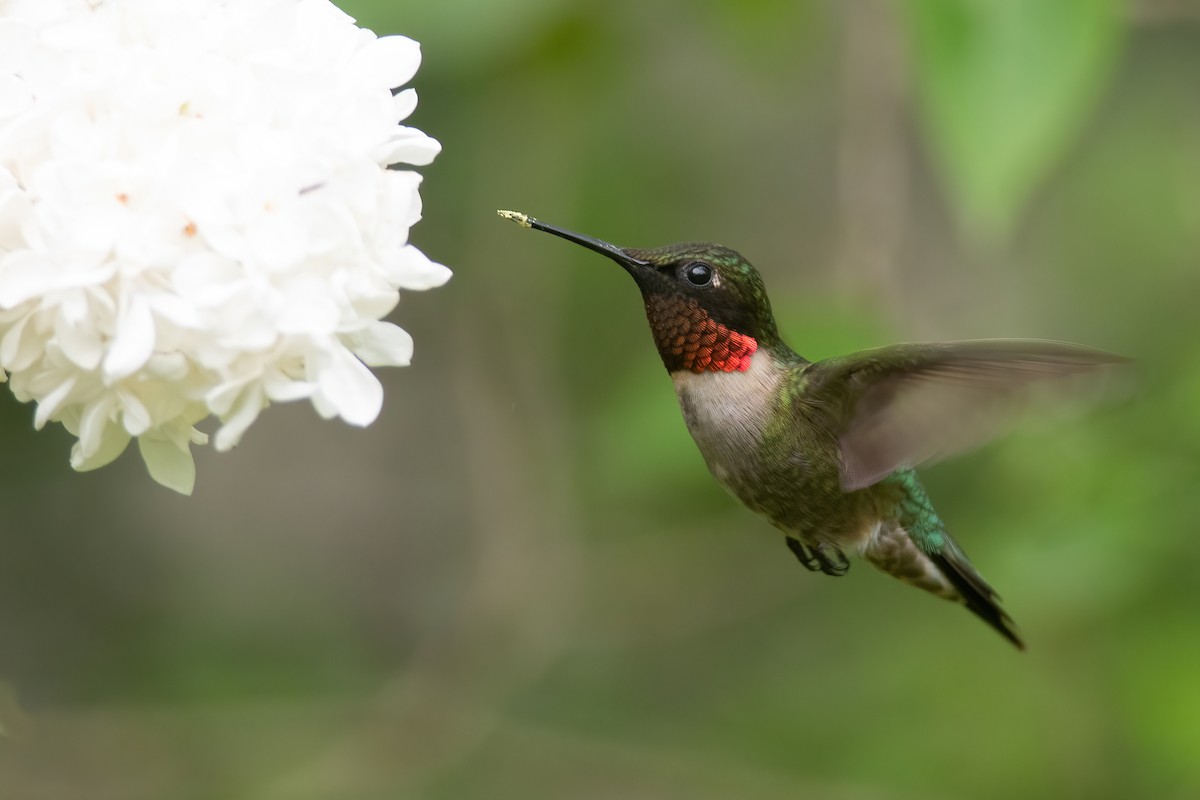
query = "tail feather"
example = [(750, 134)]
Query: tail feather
[(978, 596), (945, 572), (917, 549)]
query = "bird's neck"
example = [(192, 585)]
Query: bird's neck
[(728, 415), (690, 340)]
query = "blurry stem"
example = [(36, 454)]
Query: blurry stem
[(872, 171)]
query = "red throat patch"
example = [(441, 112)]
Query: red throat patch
[(689, 339)]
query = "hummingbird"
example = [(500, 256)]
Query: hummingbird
[(826, 450)]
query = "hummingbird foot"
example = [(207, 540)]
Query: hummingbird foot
[(820, 557), (803, 555)]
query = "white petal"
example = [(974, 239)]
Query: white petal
[(324, 407), (50, 403), (221, 399), (282, 389), (350, 388), (207, 278), (409, 146), (279, 239), (113, 441), (308, 307), (73, 307), (372, 305), (134, 414), (383, 344), (133, 343), (14, 205), (25, 274), (388, 61), (168, 367), (94, 424), (405, 103), (236, 424), (176, 309), (18, 351), (411, 269), (15, 96), (400, 206), (168, 464), (83, 347)]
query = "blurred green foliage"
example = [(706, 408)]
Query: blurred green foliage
[(521, 582), (1006, 86)]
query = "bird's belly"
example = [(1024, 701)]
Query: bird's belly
[(733, 467), (767, 466), (727, 414)]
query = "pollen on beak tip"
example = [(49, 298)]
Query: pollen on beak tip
[(515, 216)]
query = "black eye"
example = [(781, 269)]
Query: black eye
[(698, 274)]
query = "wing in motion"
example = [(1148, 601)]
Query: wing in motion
[(911, 403)]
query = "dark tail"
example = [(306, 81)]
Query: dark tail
[(976, 593)]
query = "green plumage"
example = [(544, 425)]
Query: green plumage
[(825, 451), (915, 513)]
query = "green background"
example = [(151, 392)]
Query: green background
[(521, 582)]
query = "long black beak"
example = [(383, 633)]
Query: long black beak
[(604, 248)]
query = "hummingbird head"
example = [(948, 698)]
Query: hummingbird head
[(707, 306)]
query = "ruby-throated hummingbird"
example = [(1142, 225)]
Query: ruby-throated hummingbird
[(825, 450)]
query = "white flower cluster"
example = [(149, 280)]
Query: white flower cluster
[(196, 217)]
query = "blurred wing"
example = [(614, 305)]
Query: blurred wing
[(913, 403)]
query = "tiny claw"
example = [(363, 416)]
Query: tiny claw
[(820, 557), (803, 555), (833, 561)]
